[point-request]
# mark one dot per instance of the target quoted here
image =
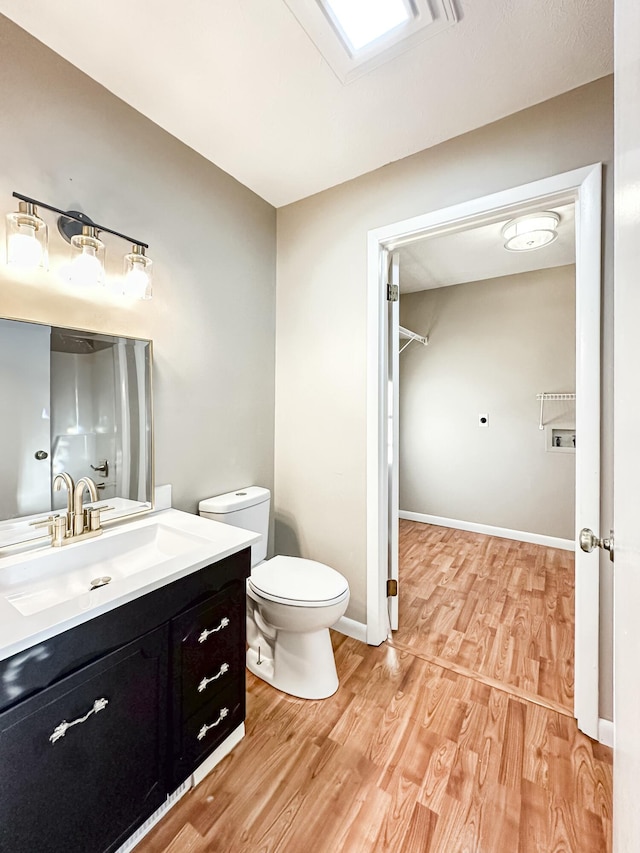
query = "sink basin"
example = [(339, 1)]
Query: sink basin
[(85, 570)]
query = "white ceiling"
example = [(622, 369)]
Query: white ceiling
[(241, 82), (478, 253)]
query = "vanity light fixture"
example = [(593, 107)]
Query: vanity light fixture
[(532, 231), (27, 247)]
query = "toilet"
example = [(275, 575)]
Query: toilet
[(291, 604)]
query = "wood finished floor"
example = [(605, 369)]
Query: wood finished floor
[(489, 607), (408, 757)]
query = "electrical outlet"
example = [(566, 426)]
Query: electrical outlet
[(483, 420)]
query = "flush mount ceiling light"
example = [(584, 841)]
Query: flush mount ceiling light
[(532, 231), (356, 36), (27, 247)]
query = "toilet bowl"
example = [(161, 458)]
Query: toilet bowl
[(291, 604)]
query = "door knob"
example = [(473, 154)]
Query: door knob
[(589, 541)]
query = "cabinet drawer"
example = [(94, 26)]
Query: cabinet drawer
[(83, 762), (207, 728), (208, 649)]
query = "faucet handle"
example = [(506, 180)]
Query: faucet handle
[(92, 516), (57, 527), (46, 522)]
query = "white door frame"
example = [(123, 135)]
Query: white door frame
[(583, 187)]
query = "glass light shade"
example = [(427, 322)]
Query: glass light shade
[(138, 274), (530, 232), (87, 259), (26, 239), (364, 21)]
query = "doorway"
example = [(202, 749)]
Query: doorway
[(486, 467), (581, 187)]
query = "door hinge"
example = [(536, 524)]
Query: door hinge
[(392, 588), (393, 293)]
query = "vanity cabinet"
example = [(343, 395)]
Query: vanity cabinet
[(99, 724)]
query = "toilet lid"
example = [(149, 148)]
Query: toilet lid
[(294, 580)]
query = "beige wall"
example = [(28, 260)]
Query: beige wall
[(493, 345), (322, 308), (70, 142)]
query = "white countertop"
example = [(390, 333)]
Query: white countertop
[(212, 541)]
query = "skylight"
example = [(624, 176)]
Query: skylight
[(356, 36), (364, 21)]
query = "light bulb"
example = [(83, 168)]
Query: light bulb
[(26, 236), (136, 283), (87, 264), (86, 269), (25, 251), (137, 274)]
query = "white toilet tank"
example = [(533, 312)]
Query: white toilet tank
[(247, 508)]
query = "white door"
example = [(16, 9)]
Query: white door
[(24, 425), (626, 762)]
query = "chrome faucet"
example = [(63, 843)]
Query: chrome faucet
[(78, 508)]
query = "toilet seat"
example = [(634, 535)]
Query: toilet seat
[(298, 582)]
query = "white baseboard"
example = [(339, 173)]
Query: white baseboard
[(351, 628), (488, 530), (605, 732)]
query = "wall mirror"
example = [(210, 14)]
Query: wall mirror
[(72, 401)]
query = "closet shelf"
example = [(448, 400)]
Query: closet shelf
[(550, 397), (412, 336)]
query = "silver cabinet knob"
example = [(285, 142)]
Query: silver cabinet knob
[(41, 454)]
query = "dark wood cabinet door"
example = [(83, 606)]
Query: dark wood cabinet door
[(82, 764)]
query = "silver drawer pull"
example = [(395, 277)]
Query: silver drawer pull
[(223, 624), (203, 731), (224, 668), (61, 730)]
